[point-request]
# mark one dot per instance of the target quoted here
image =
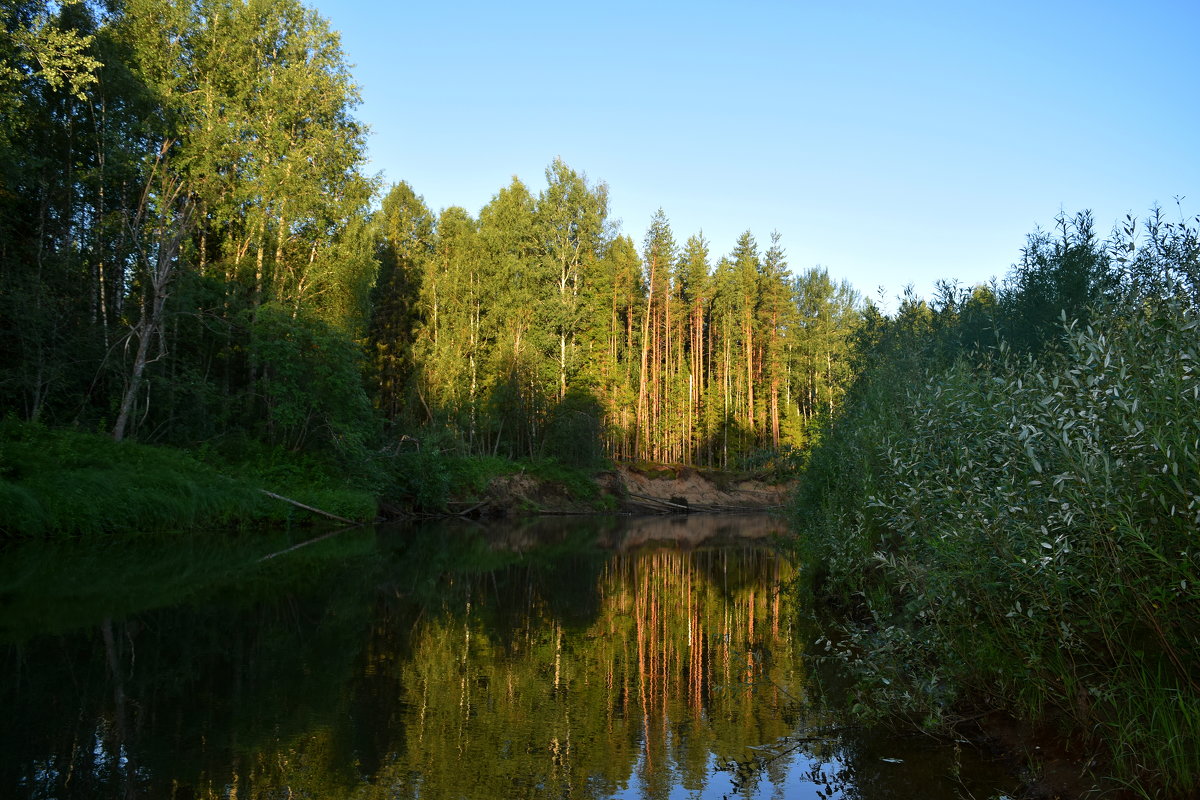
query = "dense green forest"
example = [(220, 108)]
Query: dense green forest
[(190, 255), (535, 329), (185, 238), (999, 485)]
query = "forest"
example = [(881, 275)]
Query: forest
[(998, 486), (190, 256)]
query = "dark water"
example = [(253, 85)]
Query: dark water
[(575, 658)]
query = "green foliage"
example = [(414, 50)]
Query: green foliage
[(573, 430), (404, 232), (311, 382), (188, 258), (774, 465), (1062, 275), (1018, 528), (493, 329), (428, 481), (420, 480), (576, 480), (165, 168), (64, 482), (344, 481), (61, 482)]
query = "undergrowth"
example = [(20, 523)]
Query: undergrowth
[(66, 482), (1021, 529), (429, 482)]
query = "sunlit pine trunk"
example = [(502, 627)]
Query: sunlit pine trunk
[(748, 331), (666, 378), (655, 371), (642, 410), (697, 376), (727, 394)]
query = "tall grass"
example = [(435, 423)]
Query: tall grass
[(1024, 530), (62, 482), (65, 482)]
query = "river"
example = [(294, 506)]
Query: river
[(549, 658)]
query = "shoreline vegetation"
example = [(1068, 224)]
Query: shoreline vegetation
[(201, 299), (63, 483), (1004, 515)]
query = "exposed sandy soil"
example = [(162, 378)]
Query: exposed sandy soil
[(656, 490), (700, 490)]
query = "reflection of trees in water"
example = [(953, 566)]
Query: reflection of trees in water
[(180, 703), (457, 669), (682, 659), (630, 533)]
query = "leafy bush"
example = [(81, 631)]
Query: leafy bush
[(1019, 528), (1027, 531), (311, 382)]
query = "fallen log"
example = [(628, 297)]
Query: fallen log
[(468, 510), (667, 503), (309, 508)]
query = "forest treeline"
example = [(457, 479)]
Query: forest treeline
[(183, 217), (536, 329), (1000, 483), (1005, 508), (188, 254)]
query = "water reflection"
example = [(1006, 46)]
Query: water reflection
[(583, 659), (578, 680)]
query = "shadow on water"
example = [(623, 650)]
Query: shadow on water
[(581, 657)]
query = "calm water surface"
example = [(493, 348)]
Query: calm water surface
[(565, 658)]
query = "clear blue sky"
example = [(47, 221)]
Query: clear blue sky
[(891, 143)]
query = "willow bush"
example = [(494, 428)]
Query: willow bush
[(1027, 535)]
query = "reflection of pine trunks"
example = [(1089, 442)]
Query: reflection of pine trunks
[(502, 691), (679, 615)]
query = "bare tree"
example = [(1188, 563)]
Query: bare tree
[(159, 226)]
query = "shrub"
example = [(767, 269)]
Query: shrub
[(1026, 532)]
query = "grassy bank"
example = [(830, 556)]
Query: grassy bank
[(1018, 532), (66, 482), (63, 482)]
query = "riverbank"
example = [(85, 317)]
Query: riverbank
[(626, 488), (67, 482)]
